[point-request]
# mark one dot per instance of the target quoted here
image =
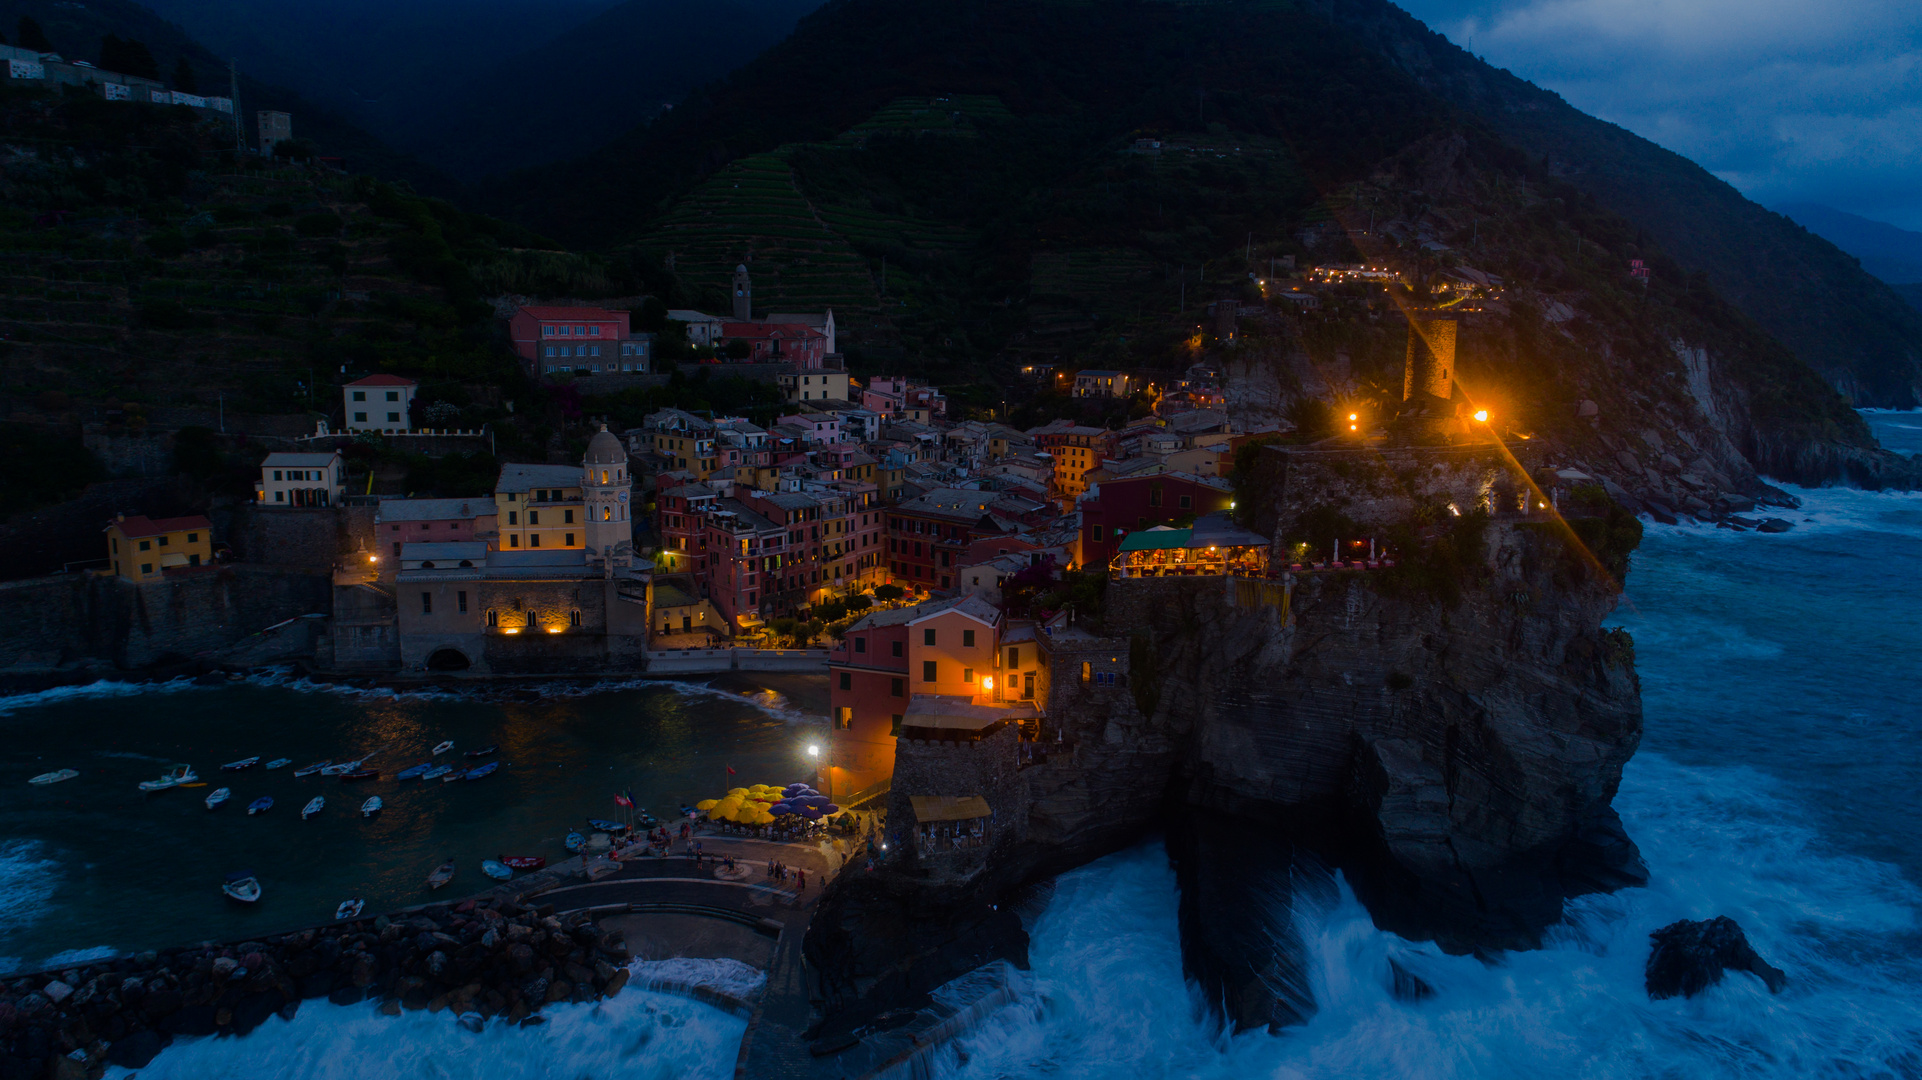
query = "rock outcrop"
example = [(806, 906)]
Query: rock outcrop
[(1690, 956)]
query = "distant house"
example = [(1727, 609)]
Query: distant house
[(579, 340), (288, 479), (379, 403), (701, 329), (141, 549), (1095, 382), (806, 385), (422, 521), (779, 343)]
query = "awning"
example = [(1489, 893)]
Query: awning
[(930, 808), (1156, 539)]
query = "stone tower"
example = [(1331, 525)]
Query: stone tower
[(1431, 360), (743, 295), (604, 480)]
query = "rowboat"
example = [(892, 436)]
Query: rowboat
[(349, 909), (314, 806), (370, 807), (606, 826), (452, 775), (442, 874), (54, 777), (174, 777), (574, 841), (523, 862), (485, 770), (339, 768), (218, 796), (279, 761), (241, 886), (490, 748), (309, 770), (360, 774), (260, 805), (243, 763), (495, 870), (437, 772), (413, 772), (442, 748)]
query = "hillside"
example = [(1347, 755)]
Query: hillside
[(1811, 296), (1890, 253)]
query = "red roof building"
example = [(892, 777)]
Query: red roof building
[(580, 340), (778, 343)]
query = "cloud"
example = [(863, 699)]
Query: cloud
[(1817, 100)]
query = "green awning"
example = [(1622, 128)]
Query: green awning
[(1156, 539)]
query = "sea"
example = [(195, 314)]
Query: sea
[(1774, 785)]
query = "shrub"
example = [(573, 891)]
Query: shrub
[(323, 223)]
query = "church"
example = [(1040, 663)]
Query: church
[(476, 606)]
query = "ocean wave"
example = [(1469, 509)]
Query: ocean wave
[(102, 688), (28, 878), (729, 976)]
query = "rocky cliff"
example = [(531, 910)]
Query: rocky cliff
[(1447, 734)]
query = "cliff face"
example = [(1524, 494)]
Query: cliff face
[(1450, 743)]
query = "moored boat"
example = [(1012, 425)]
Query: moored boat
[(349, 909), (314, 806), (174, 777), (309, 770), (490, 748), (340, 767), (243, 763), (370, 807), (279, 762), (414, 771), (260, 805), (242, 886), (574, 841), (437, 772), (54, 777), (442, 748), (497, 871), (360, 774), (218, 796), (442, 874), (488, 769), (523, 862), (606, 826)]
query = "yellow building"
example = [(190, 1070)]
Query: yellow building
[(142, 549), (539, 507)]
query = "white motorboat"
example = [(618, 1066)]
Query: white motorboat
[(444, 747), (314, 806), (243, 887), (174, 777), (217, 796), (349, 909), (370, 807), (46, 778)]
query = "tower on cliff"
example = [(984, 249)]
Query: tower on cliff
[(604, 481), (743, 295), (1429, 413)]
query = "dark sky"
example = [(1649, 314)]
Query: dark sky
[(1788, 100)]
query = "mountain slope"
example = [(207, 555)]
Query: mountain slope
[(1851, 327), (1890, 253)]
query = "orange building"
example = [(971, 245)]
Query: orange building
[(142, 549)]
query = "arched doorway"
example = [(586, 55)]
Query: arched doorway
[(447, 660)]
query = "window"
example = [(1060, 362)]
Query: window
[(547, 331), (1087, 671), (276, 474), (460, 601), (163, 541), (533, 517), (393, 418), (426, 603), (569, 542), (146, 545), (847, 681), (280, 496), (927, 636), (511, 516), (927, 671), (147, 568), (533, 539), (360, 395), (967, 639), (567, 517), (861, 644), (1014, 656), (894, 727), (897, 688), (396, 549), (1187, 501), (967, 674), (574, 617), (514, 540), (493, 617), (393, 395), (550, 350), (897, 647)]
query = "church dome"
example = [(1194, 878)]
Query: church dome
[(605, 449)]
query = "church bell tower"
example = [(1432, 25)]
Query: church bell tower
[(604, 481), (743, 295)]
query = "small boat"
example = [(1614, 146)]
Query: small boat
[(575, 841), (309, 770), (314, 806), (360, 774), (606, 826), (174, 777), (437, 772), (414, 772), (370, 807), (490, 748), (260, 805), (488, 769), (342, 767), (452, 775), (243, 763), (218, 796), (349, 909), (442, 874), (46, 778), (495, 870), (241, 886), (279, 762), (442, 748), (523, 862)]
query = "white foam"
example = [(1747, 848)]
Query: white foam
[(635, 1035), (729, 976), (103, 688), (27, 882)]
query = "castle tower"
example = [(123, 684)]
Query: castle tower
[(1431, 361), (604, 480), (743, 295)]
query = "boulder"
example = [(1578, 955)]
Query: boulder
[(1774, 525), (346, 995), (1690, 956)]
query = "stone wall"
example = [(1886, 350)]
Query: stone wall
[(310, 539), (1379, 486), (988, 767)]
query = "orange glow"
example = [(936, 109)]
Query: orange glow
[(1481, 416)]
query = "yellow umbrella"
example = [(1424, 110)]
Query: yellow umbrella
[(707, 804)]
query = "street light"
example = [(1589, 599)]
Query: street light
[(1481, 416)]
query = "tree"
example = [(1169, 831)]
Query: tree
[(184, 80), (32, 37), (129, 57)]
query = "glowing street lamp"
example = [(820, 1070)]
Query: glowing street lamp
[(814, 751), (1481, 416)]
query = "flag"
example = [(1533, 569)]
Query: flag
[(622, 800), (730, 770)]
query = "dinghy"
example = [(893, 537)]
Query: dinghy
[(495, 870), (260, 805), (174, 777), (490, 748), (309, 770), (339, 768), (452, 775), (46, 778), (606, 826), (370, 807), (314, 806), (442, 748), (349, 909), (413, 772), (360, 774), (488, 769), (575, 841), (241, 886), (442, 874), (437, 772), (243, 763), (280, 762), (218, 796), (523, 862)]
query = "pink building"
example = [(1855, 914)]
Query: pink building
[(779, 343), (421, 521), (589, 339)]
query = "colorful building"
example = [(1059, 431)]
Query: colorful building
[(591, 340), (1121, 506), (143, 549), (301, 480), (540, 507), (380, 403), (425, 521)]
